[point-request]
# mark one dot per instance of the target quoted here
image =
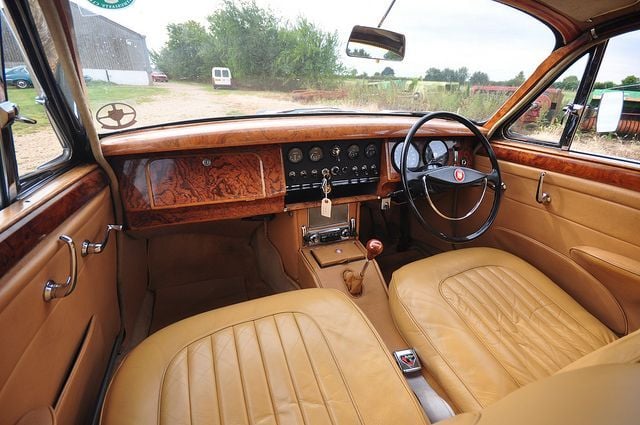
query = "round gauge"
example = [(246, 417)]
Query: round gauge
[(295, 155), (436, 153), (316, 154), (413, 156), (353, 151), (370, 150)]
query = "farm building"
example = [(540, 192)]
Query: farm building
[(108, 50)]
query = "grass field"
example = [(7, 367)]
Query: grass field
[(99, 94)]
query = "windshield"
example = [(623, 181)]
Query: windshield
[(149, 63)]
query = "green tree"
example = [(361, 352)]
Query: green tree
[(479, 78), (185, 54), (358, 53), (388, 72), (605, 85), (246, 39), (570, 83), (631, 80), (433, 74), (308, 55)]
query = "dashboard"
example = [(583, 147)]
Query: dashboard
[(256, 167)]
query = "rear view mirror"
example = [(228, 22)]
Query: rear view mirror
[(609, 111), (376, 43)]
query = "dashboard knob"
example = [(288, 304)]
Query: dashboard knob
[(314, 173), (335, 151), (335, 170), (292, 174), (303, 173)]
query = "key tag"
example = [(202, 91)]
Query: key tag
[(325, 204), (325, 207)]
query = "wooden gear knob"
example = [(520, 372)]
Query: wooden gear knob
[(374, 248)]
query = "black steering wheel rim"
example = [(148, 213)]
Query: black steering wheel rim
[(495, 170)]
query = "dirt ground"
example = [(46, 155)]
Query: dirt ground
[(185, 101)]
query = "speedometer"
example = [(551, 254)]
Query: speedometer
[(413, 156)]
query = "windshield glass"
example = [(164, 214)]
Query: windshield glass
[(148, 63)]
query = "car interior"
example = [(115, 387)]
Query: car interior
[(322, 268)]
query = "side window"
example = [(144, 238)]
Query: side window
[(37, 145), (619, 74), (542, 121)]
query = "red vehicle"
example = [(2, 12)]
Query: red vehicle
[(547, 101), (159, 77)]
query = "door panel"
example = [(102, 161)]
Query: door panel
[(582, 214), (55, 353)]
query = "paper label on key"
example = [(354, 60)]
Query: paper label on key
[(325, 208)]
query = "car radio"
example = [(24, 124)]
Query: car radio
[(336, 228)]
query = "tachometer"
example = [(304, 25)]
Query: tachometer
[(413, 156), (436, 153)]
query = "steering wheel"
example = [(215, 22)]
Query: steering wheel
[(451, 177)]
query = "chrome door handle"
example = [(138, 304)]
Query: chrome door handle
[(54, 290), (97, 247), (542, 197)]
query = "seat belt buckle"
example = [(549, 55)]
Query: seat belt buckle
[(407, 360)]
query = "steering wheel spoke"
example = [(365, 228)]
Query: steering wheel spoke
[(456, 176), (452, 177)]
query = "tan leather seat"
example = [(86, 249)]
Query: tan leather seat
[(485, 323), (307, 356)]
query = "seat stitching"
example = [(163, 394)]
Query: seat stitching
[(564, 320), (215, 378), (189, 389), (304, 342), (507, 270), (293, 384), (502, 288), (482, 317), (435, 347), (524, 360), (244, 396), (266, 375)]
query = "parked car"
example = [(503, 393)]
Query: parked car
[(159, 77), (18, 76), (172, 256)]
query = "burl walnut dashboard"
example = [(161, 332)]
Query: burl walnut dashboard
[(251, 167)]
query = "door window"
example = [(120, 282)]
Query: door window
[(619, 72)]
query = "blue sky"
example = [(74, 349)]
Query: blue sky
[(480, 34)]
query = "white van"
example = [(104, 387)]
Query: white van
[(221, 77)]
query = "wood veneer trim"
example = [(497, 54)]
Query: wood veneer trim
[(18, 240), (570, 164), (266, 131)]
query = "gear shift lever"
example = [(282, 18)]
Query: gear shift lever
[(352, 280)]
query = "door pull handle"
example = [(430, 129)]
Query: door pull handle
[(54, 290), (542, 197), (97, 247)]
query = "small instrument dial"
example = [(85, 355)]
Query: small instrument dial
[(370, 150), (316, 154), (353, 151), (295, 155)]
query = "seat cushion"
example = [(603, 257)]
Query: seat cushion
[(307, 356), (485, 323)]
